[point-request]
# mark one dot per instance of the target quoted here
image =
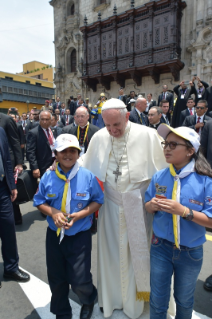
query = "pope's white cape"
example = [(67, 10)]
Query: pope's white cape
[(39, 294), (144, 152)]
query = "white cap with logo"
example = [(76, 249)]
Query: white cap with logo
[(64, 141), (185, 132), (113, 104)]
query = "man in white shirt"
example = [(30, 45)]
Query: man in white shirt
[(150, 103), (190, 110), (164, 104)]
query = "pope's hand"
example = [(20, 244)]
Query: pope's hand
[(171, 206)]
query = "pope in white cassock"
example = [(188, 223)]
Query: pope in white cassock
[(124, 156)]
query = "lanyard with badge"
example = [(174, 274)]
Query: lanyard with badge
[(78, 134), (183, 94)]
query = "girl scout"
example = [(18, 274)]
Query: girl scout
[(68, 196), (180, 197)]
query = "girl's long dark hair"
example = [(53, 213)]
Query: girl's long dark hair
[(202, 167)]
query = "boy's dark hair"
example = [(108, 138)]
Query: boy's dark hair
[(55, 151)]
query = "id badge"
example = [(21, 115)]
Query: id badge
[(82, 150), (199, 96), (182, 96)]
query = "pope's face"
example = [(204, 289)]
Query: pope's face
[(115, 122)]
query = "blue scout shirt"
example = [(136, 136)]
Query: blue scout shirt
[(84, 190), (196, 193)]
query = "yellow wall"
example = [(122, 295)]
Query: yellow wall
[(24, 78), (48, 73), (21, 106)]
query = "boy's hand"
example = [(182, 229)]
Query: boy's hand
[(74, 217), (59, 218)]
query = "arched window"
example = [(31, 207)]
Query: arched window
[(70, 9), (73, 63)]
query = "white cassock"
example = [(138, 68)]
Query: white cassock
[(124, 227)]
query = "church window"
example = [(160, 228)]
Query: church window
[(73, 58), (70, 9)]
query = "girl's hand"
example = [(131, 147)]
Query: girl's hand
[(170, 206)]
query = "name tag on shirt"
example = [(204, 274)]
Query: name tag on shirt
[(182, 96), (199, 96)]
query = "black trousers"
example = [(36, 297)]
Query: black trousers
[(69, 263), (7, 230)]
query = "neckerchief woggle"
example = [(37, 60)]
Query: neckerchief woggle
[(188, 169), (66, 199)]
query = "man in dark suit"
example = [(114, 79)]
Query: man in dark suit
[(34, 122), (131, 97), (189, 111), (8, 194), (20, 131), (209, 97), (67, 118), (154, 117), (137, 115), (56, 130), (183, 93), (62, 109), (168, 96), (57, 104), (150, 103), (40, 143), (164, 105), (201, 92), (197, 121), (71, 105), (210, 114), (121, 96), (84, 130)]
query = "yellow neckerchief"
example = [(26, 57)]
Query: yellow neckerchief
[(65, 191), (86, 131), (100, 107), (174, 197)]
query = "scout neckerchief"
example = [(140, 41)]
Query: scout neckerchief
[(188, 169), (66, 200), (86, 132)]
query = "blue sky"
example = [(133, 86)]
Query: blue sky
[(26, 33)]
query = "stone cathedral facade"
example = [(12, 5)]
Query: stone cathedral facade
[(101, 45)]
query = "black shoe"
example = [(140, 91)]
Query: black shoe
[(62, 316), (86, 311), (101, 309), (208, 283), (18, 275)]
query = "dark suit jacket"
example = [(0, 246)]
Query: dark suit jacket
[(56, 131), (30, 125), (208, 98), (204, 92), (11, 130), (134, 117), (73, 130), (190, 121), (123, 98), (39, 153), (169, 98), (72, 107), (183, 115), (63, 119), (206, 141), (21, 133), (8, 169), (152, 103), (210, 114), (55, 105)]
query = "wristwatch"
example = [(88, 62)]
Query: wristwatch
[(190, 215)]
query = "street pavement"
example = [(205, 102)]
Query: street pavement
[(31, 300)]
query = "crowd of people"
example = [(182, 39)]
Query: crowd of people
[(153, 161)]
